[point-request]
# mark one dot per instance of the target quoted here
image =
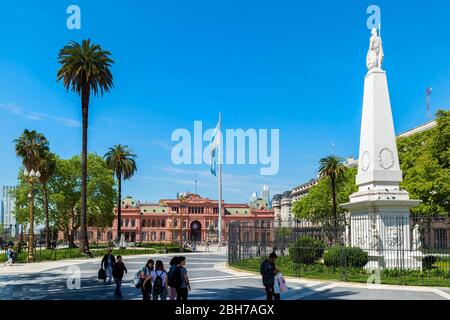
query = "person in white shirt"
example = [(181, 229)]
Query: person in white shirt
[(279, 285)]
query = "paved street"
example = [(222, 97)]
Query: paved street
[(210, 277)]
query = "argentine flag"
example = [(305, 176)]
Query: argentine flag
[(215, 145)]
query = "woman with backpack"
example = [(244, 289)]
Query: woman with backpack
[(172, 289), (146, 276), (159, 281)]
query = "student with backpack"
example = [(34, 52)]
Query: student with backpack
[(159, 281), (181, 280), (146, 279), (172, 289)]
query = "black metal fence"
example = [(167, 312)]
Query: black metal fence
[(389, 248)]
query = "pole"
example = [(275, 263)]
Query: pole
[(31, 222), (219, 156)]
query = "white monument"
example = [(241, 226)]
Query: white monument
[(379, 210)]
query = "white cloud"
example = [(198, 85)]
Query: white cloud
[(37, 116)]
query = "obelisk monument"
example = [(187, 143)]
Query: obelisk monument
[(380, 210)]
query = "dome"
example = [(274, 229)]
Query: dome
[(129, 203)]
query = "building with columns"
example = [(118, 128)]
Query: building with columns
[(192, 216)]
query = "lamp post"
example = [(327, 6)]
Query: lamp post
[(32, 176)]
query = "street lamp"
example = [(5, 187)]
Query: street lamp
[(33, 177)]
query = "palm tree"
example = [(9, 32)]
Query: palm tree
[(47, 169), (122, 161), (85, 69), (332, 167), (31, 146)]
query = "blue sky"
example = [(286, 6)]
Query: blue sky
[(296, 66)]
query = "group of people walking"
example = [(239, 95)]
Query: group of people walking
[(154, 281)]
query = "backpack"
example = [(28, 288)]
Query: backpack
[(177, 278), (158, 284), (138, 281)]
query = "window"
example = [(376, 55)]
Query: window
[(153, 236), (162, 236), (153, 223), (143, 223), (133, 223), (126, 222), (143, 236), (440, 238), (110, 236), (163, 223), (158, 223), (99, 235), (175, 222), (216, 210), (90, 235)]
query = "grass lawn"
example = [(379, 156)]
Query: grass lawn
[(73, 253), (438, 276)]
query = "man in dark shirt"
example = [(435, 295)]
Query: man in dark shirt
[(118, 271), (267, 270)]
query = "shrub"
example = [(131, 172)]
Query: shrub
[(428, 261), (306, 250), (345, 257)]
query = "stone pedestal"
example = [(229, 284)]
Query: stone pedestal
[(382, 229)]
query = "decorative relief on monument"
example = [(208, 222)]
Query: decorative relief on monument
[(359, 236), (393, 237), (365, 163), (374, 237), (386, 158)]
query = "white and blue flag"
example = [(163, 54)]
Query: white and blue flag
[(215, 145)]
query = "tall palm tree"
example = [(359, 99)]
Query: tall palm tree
[(122, 161), (47, 169), (85, 70), (332, 167), (31, 146)]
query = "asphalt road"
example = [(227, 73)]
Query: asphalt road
[(210, 280)]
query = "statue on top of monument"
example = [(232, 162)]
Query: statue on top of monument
[(375, 54)]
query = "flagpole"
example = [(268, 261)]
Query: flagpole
[(219, 156)]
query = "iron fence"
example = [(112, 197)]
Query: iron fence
[(391, 248)]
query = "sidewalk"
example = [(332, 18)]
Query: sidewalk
[(301, 283), (36, 267)]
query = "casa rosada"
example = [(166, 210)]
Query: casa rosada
[(193, 216)]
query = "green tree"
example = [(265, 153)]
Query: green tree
[(47, 168), (122, 161), (317, 205), (85, 70), (66, 191), (331, 167), (64, 196), (424, 160)]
